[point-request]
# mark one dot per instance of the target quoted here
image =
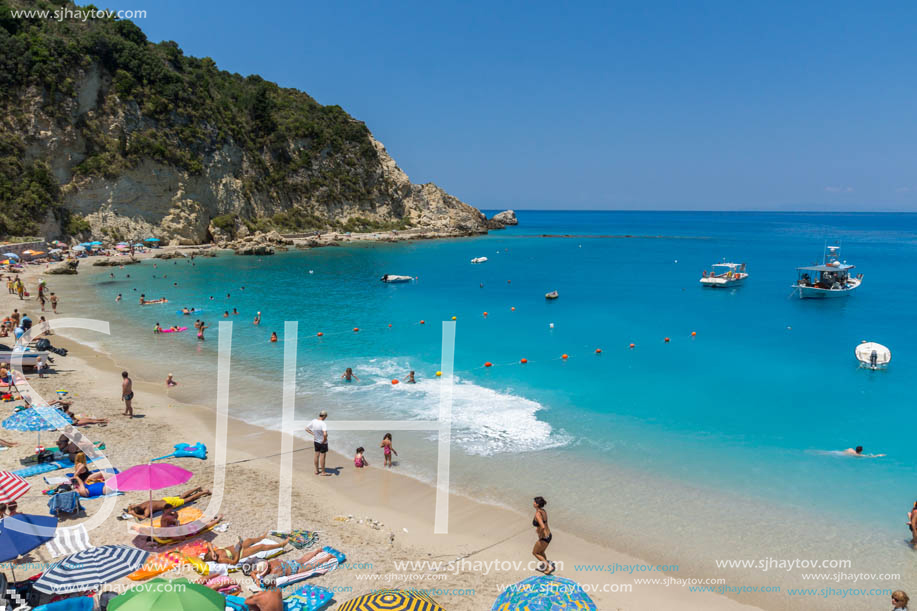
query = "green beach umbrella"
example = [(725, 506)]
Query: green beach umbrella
[(165, 595)]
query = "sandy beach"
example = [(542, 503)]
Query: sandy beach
[(379, 519)]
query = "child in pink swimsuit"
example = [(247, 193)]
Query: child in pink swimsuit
[(387, 449), (358, 460)]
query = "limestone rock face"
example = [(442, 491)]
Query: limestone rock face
[(64, 267), (115, 262), (507, 217)]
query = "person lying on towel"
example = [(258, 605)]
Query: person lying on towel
[(269, 600), (242, 549), (145, 509), (92, 490), (269, 571)]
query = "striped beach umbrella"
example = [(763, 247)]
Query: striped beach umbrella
[(90, 569), (392, 600), (164, 595), (12, 486), (544, 593)]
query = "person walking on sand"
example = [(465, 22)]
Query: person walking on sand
[(319, 431), (540, 522), (54, 303), (388, 449), (20, 289), (127, 394)]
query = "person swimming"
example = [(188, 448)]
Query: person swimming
[(858, 451), (410, 379), (274, 336), (349, 375), (257, 320)]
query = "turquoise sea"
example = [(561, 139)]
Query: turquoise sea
[(714, 446)]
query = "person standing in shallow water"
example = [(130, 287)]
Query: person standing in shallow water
[(319, 431), (540, 522)]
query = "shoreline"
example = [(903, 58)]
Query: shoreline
[(478, 532)]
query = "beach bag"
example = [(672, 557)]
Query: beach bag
[(45, 456)]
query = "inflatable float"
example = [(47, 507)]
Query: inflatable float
[(165, 561), (178, 330), (183, 450)]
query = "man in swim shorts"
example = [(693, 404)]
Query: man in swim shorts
[(319, 431), (127, 394), (144, 509)]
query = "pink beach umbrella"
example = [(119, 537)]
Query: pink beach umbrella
[(151, 476)]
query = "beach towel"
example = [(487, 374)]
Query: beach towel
[(300, 539), (80, 603), (186, 515), (236, 603), (68, 540), (308, 598), (66, 502), (160, 563), (44, 468)]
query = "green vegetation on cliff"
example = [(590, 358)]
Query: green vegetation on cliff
[(188, 109)]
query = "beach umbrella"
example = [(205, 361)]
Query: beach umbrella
[(37, 419), (391, 600), (23, 532), (79, 247), (12, 487), (90, 568), (152, 240), (163, 595), (96, 243), (10, 255), (544, 593), (151, 476)]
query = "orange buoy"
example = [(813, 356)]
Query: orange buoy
[(389, 324), (563, 356), (422, 322), (693, 333), (598, 351), (355, 329), (485, 313), (320, 333), (513, 309), (667, 340), (524, 361), (394, 381), (632, 345), (488, 364)]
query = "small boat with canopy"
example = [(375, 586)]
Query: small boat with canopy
[(724, 275), (831, 279)]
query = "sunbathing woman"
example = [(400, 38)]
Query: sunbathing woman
[(90, 491), (145, 509), (269, 571), (81, 470), (83, 419), (243, 549)]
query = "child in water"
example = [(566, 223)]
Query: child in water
[(349, 374), (358, 460), (387, 449), (274, 336)]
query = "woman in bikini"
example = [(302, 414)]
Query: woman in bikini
[(82, 472), (540, 522), (243, 549), (269, 571)]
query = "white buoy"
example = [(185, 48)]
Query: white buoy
[(552, 325)]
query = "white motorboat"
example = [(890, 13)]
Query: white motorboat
[(724, 275), (551, 295), (479, 260), (393, 279), (873, 355), (832, 279)]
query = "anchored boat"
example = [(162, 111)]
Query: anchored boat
[(724, 275), (392, 279), (831, 279), (872, 355)]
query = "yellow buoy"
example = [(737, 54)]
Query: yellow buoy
[(439, 373)]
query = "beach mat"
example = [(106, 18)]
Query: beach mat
[(46, 467)]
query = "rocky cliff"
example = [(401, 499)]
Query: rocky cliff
[(105, 134)]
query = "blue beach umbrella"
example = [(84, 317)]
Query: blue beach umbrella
[(544, 593), (23, 532), (152, 240), (37, 419), (10, 255)]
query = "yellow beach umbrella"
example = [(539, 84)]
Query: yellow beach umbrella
[(392, 600)]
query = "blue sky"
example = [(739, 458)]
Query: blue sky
[(584, 105)]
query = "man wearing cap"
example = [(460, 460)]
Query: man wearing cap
[(319, 431)]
